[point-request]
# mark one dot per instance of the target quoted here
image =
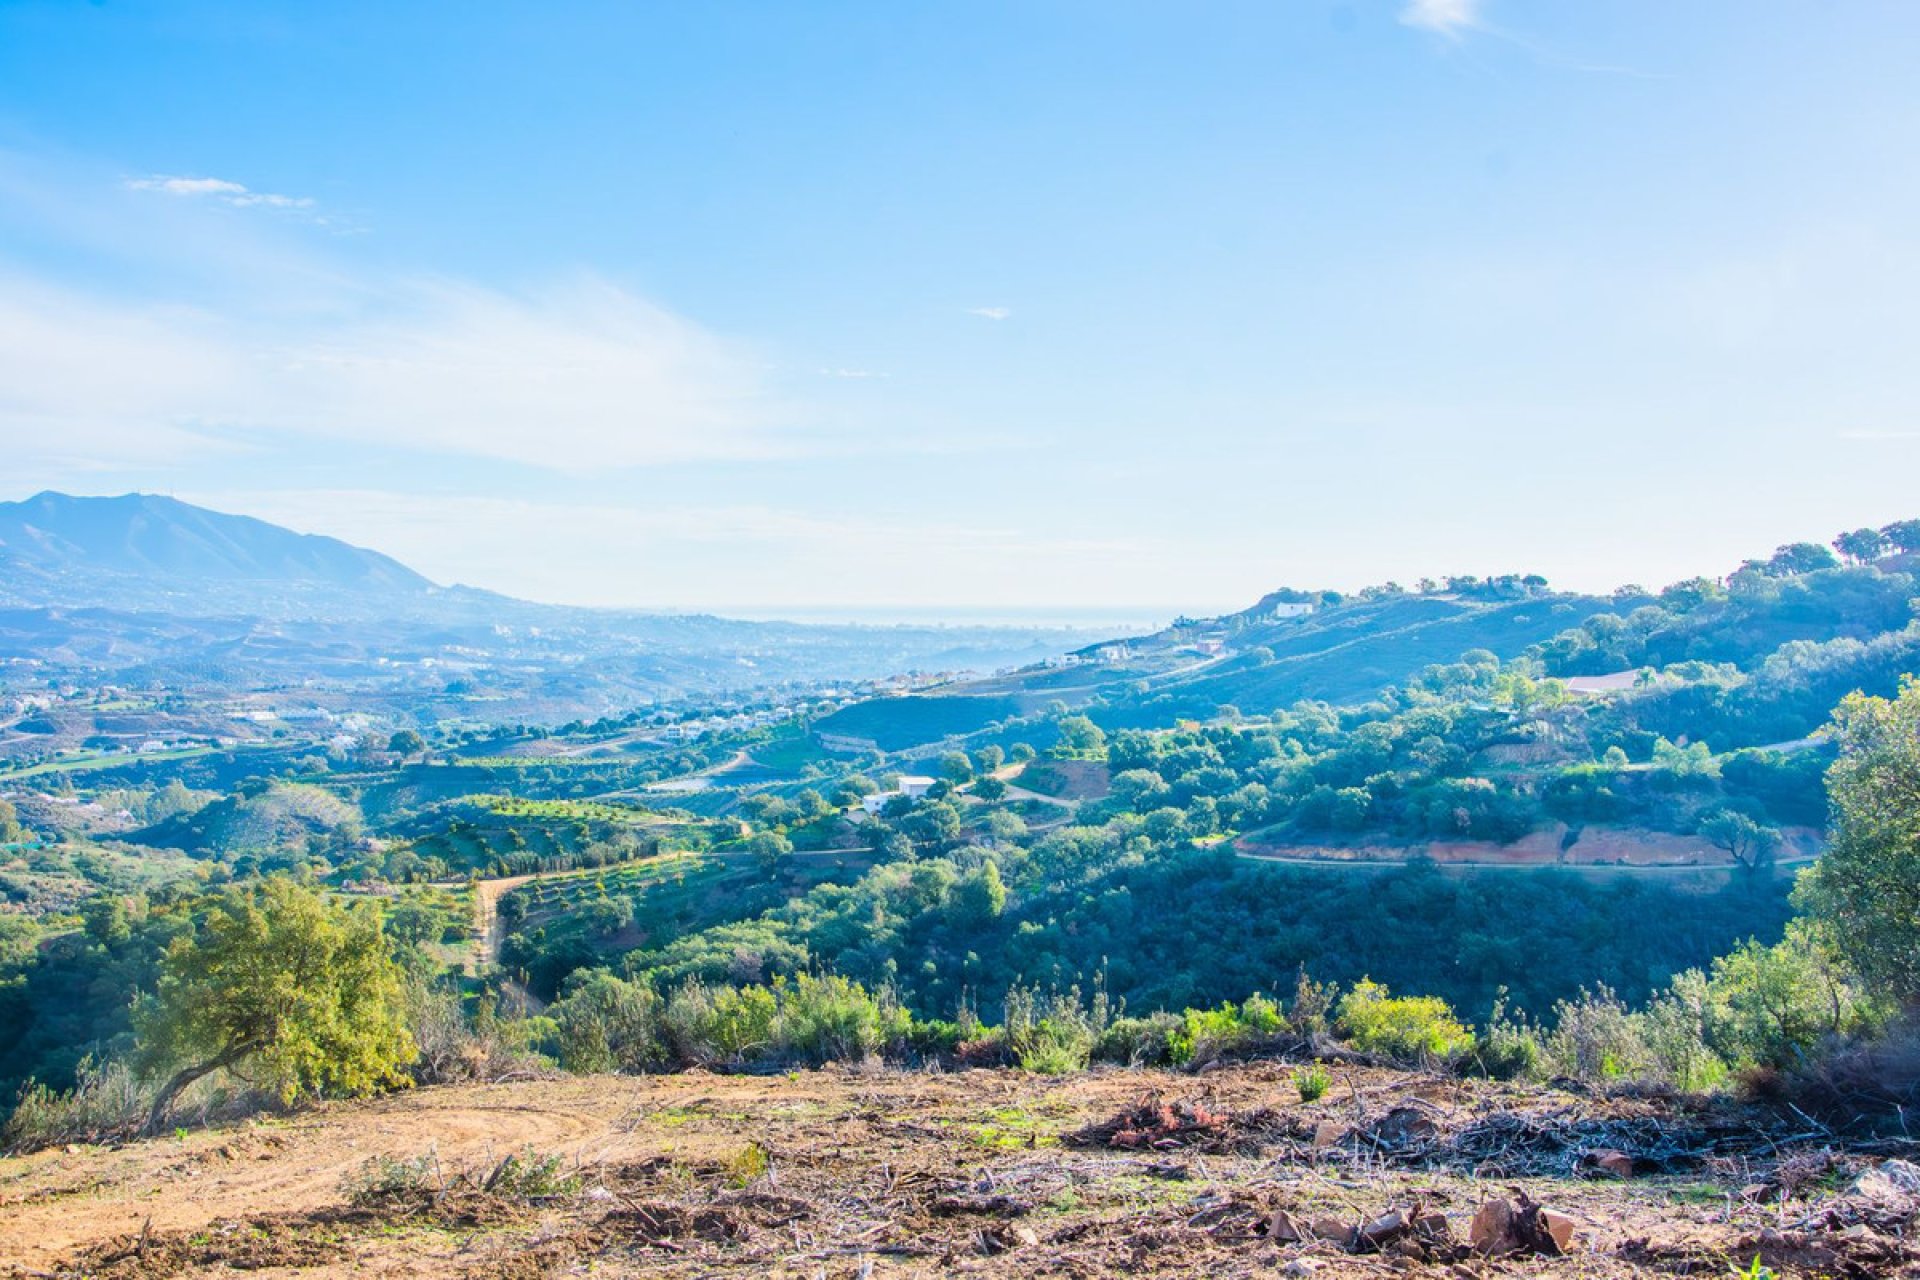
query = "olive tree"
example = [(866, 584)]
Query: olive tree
[(303, 993), (1865, 890)]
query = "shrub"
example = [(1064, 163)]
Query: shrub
[(1408, 1028), (107, 1100), (1674, 1030), (1773, 1006), (1596, 1037), (1312, 1082), (1053, 1034), (829, 1019), (382, 1178), (1205, 1034), (1510, 1047), (1139, 1042)]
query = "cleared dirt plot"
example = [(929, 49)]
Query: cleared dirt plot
[(990, 1173)]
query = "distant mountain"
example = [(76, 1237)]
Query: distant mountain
[(144, 551), (166, 592)]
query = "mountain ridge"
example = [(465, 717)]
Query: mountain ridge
[(59, 549)]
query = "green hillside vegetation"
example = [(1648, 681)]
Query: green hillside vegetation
[(766, 898)]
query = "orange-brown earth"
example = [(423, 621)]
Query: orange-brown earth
[(984, 1172)]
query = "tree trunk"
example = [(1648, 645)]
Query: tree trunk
[(187, 1075)]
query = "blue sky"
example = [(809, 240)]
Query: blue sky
[(785, 308)]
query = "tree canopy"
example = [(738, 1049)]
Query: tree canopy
[(305, 994)]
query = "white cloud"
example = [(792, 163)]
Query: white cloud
[(1447, 17), (990, 313), (579, 376), (851, 373), (230, 193)]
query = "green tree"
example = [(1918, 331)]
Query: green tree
[(956, 768), (1801, 557), (1751, 844), (1865, 890), (303, 992), (769, 850), (1079, 736), (1861, 545), (407, 742), (981, 896), (1902, 535)]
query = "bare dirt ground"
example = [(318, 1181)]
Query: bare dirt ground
[(985, 1172)]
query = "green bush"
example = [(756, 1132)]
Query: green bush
[(1140, 1042), (1596, 1037), (1407, 1028), (107, 1100), (1053, 1034), (1312, 1082), (1509, 1047)]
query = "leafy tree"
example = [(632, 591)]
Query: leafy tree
[(407, 742), (1865, 889), (1079, 736), (981, 896), (769, 850), (1750, 844), (956, 768), (1902, 535), (1861, 546), (305, 993), (1801, 557)]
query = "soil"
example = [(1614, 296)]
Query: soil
[(843, 1173)]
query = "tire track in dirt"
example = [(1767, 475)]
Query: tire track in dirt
[(286, 1168)]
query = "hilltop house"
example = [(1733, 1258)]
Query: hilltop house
[(912, 786), (1291, 609)]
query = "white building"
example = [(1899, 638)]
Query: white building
[(912, 786), (1292, 609)]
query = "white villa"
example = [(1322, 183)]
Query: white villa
[(912, 786)]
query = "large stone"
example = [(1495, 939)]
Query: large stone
[(1388, 1226), (1559, 1228), (1492, 1229)]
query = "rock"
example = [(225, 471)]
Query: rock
[(1026, 1236), (1328, 1132), (1610, 1164), (1387, 1227), (1282, 1229), (1332, 1228), (1300, 1268), (1559, 1228), (1433, 1228), (1501, 1227), (1492, 1229)]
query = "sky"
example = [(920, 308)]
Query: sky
[(1043, 308)]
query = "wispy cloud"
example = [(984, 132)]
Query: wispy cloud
[(225, 192), (851, 373), (990, 313), (1450, 18), (579, 375)]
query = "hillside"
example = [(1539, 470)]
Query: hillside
[(1345, 650), (144, 550), (990, 1173)]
